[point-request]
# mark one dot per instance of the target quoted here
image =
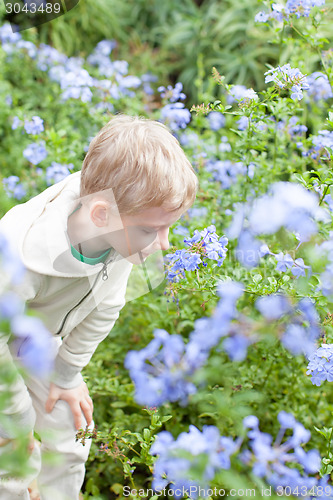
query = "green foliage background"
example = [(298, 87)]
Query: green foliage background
[(181, 41), (178, 41)]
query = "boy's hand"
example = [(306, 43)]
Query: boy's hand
[(78, 400)]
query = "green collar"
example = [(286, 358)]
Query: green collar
[(89, 260)]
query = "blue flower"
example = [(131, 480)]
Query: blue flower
[(274, 306), (172, 94), (13, 187), (33, 344), (299, 267), (320, 365), (57, 172), (243, 123), (14, 268), (286, 77), (286, 204), (162, 369), (236, 346), (241, 93), (197, 212), (248, 249), (226, 172), (10, 305), (35, 126), (7, 35), (177, 459), (16, 123), (216, 120), (319, 86), (35, 153), (47, 56), (175, 115), (271, 460), (205, 245), (299, 340), (261, 17), (299, 8), (105, 47)]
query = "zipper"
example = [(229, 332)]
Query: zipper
[(105, 276)]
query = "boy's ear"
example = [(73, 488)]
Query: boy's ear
[(99, 213)]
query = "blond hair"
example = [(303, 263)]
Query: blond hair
[(143, 164)]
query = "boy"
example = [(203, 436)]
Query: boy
[(78, 241)]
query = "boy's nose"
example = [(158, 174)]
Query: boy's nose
[(163, 239)]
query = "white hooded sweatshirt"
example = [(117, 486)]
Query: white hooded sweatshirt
[(78, 302)]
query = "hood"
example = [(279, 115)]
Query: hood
[(37, 229)]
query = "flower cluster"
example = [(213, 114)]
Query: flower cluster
[(285, 261), (319, 86), (13, 187), (320, 365), (206, 451), (225, 171), (56, 172), (175, 115), (35, 152), (302, 329), (287, 205), (322, 145), (172, 94), (325, 251), (68, 72), (203, 245), (216, 120), (286, 77), (241, 94), (270, 460), (31, 339), (219, 325), (162, 370), (34, 127), (299, 8)]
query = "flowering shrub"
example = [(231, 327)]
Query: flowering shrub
[(243, 332)]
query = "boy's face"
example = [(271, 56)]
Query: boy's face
[(137, 236)]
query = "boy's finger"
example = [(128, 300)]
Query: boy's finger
[(50, 404), (76, 412), (87, 411)]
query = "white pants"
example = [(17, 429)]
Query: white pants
[(58, 464)]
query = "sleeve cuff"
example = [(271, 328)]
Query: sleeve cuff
[(65, 375)]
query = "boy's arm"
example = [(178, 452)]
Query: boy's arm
[(78, 347), (76, 351)]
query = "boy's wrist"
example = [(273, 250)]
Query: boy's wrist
[(65, 375)]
